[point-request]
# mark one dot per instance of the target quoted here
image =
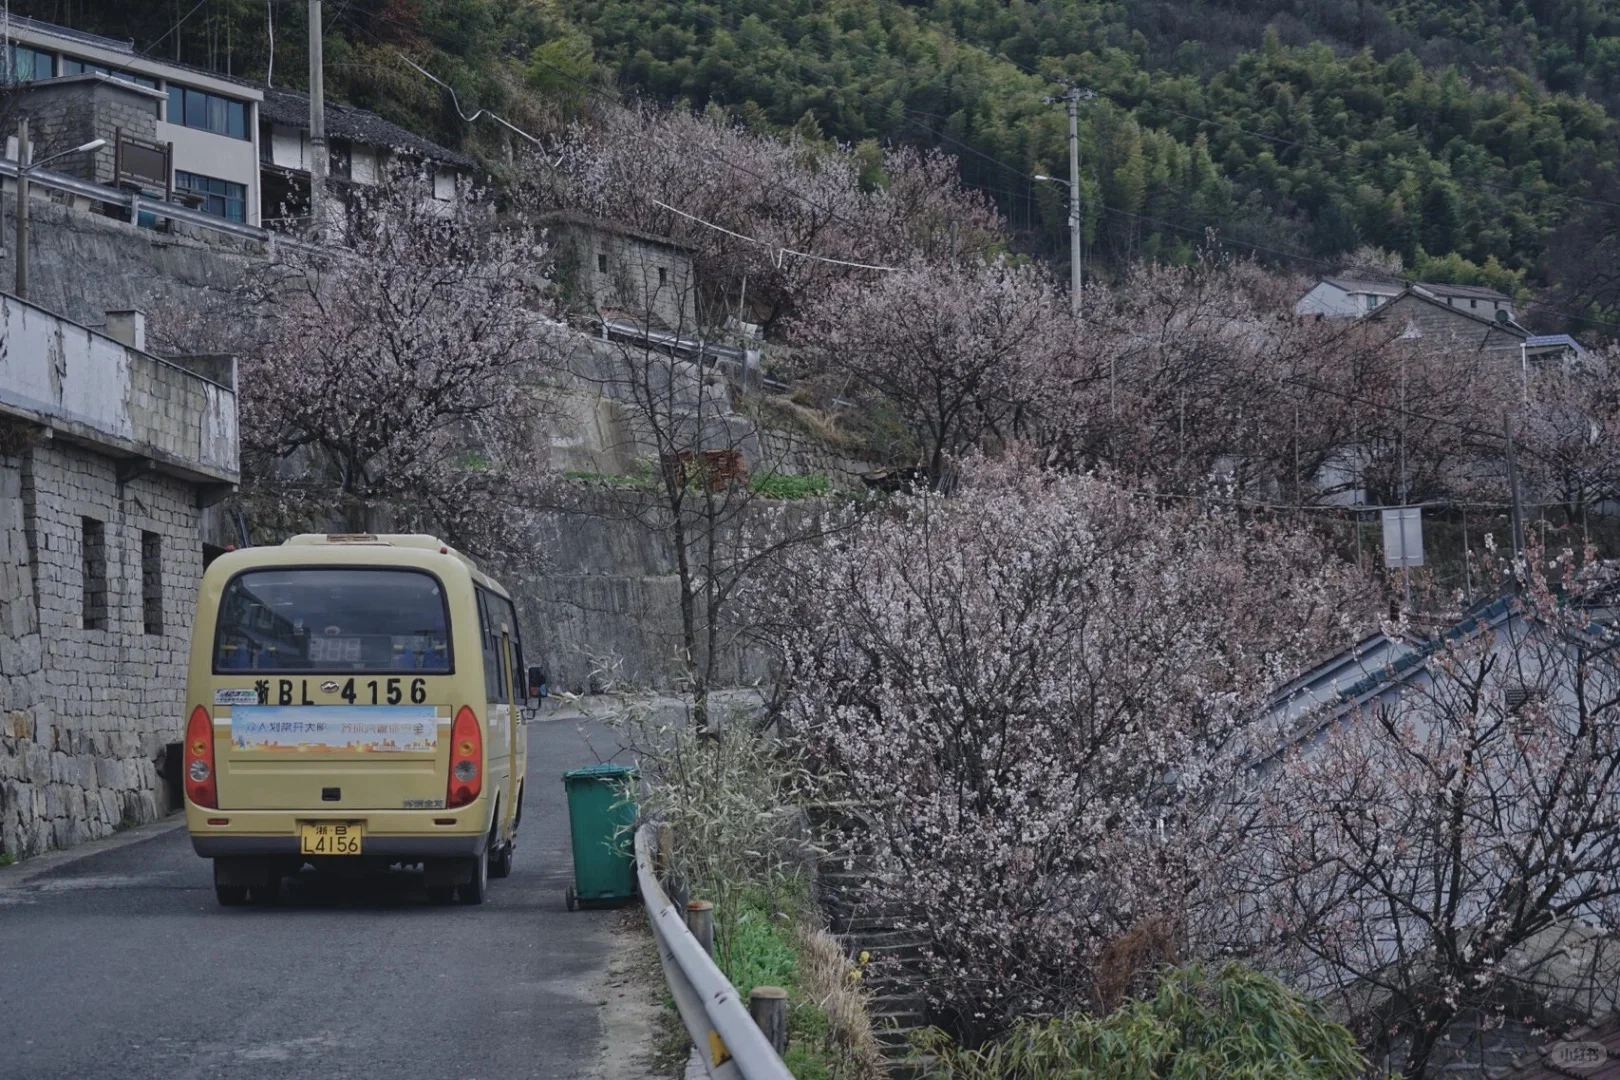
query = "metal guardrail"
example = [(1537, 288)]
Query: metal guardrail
[(730, 1044), (133, 203)]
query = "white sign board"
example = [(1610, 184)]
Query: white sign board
[(325, 729), (1403, 536)]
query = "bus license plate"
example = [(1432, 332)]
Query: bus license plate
[(330, 837)]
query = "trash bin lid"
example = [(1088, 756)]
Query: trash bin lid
[(605, 771)]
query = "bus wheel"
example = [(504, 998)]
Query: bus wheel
[(474, 891), (501, 865)]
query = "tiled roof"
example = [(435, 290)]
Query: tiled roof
[(291, 107), (1357, 285), (1468, 292), (580, 220), (1541, 341)]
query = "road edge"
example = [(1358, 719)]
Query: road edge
[(20, 873)]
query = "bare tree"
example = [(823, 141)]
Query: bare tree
[(690, 463)]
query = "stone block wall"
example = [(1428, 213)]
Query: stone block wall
[(85, 711), (65, 113), (85, 265)]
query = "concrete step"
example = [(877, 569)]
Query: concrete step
[(893, 1039), (883, 938), (911, 1067), (896, 1004)]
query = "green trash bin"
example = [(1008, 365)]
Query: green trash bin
[(601, 814)]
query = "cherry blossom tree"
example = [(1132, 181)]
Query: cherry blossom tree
[(953, 348), (771, 221), (399, 374), (1569, 435), (1450, 848), (1031, 686), (1198, 380)]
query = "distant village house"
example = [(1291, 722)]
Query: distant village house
[(230, 148)]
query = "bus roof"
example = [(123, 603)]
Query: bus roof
[(414, 541)]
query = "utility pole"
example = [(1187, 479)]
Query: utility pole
[(1073, 99), (1075, 273), (1513, 489), (317, 121), (22, 209)]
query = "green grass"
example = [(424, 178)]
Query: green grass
[(7, 858), (780, 486), (613, 480), (761, 950)]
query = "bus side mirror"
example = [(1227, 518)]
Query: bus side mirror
[(537, 682)]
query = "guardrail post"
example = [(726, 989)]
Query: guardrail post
[(768, 1006), (666, 851), (700, 920)]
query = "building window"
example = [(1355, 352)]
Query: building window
[(27, 65), (207, 112), (663, 275), (93, 541), (72, 65), (601, 264), (222, 198), (339, 160), (1474, 304), (152, 582)]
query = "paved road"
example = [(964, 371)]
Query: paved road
[(122, 965)]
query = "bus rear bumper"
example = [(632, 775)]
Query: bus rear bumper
[(394, 847)]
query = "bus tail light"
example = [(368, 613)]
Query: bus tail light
[(201, 784), (466, 760)]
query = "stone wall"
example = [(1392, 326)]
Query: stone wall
[(83, 265), (69, 112), (92, 652)]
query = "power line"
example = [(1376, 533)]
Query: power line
[(148, 50), (457, 102), (779, 251)]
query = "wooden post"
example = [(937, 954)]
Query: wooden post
[(768, 1006), (665, 859), (700, 920)]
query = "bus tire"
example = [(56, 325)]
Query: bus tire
[(500, 865), (476, 889)]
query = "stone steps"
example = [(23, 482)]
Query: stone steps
[(864, 924)]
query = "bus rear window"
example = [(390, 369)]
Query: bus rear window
[(333, 619)]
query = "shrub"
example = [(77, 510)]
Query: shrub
[(782, 486), (1232, 1022)]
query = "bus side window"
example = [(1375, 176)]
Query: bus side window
[(494, 674), (514, 659)]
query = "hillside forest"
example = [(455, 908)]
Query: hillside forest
[(1475, 140)]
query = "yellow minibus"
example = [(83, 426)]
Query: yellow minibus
[(354, 702)]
